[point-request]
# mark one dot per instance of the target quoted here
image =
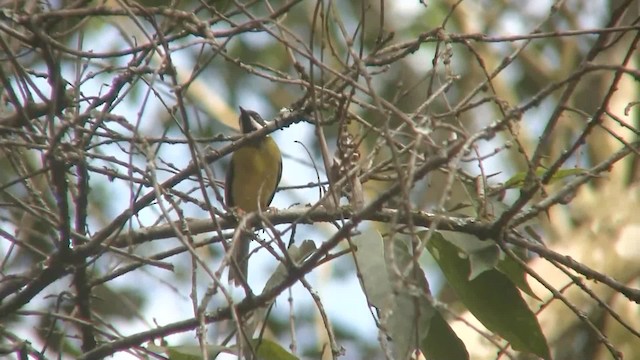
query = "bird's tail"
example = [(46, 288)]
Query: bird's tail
[(239, 259)]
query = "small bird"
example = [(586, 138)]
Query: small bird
[(252, 178)]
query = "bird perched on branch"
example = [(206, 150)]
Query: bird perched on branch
[(252, 178)]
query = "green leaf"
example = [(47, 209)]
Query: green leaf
[(483, 255), (375, 278), (297, 255), (109, 301), (265, 350), (404, 311), (492, 298), (486, 255), (188, 352), (517, 180), (483, 260), (270, 350), (442, 343), (516, 273)]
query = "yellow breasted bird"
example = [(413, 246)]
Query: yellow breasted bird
[(252, 178)]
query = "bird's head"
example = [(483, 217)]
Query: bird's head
[(250, 121)]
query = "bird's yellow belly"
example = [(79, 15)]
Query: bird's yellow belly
[(256, 171)]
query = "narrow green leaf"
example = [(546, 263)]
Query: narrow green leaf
[(406, 315), (297, 254), (516, 273), (270, 350), (442, 343), (517, 180), (375, 278), (265, 350), (492, 298), (188, 352)]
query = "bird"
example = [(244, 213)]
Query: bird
[(251, 181)]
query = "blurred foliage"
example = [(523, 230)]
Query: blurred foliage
[(134, 101)]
